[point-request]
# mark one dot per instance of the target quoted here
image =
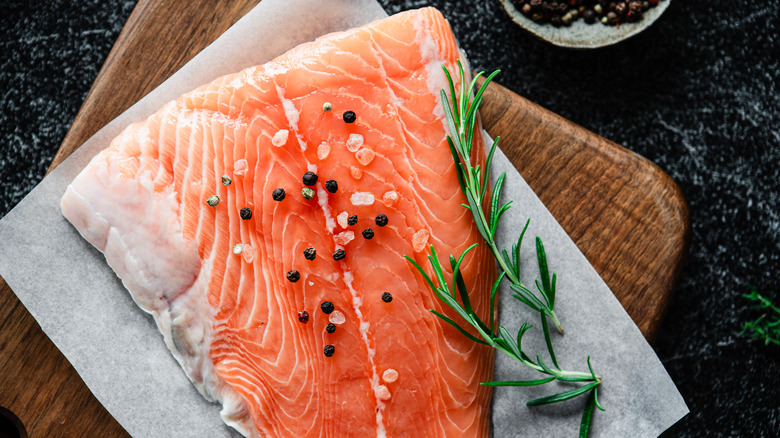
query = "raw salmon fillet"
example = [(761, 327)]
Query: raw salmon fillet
[(219, 283)]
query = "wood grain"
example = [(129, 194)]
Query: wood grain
[(628, 218)]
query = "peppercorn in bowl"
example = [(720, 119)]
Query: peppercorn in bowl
[(584, 24)]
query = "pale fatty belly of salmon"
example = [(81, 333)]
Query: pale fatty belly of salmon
[(232, 320)]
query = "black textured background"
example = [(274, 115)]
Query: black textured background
[(696, 93)]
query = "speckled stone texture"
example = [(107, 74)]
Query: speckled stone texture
[(696, 93)]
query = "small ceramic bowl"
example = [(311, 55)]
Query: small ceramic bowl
[(581, 35)]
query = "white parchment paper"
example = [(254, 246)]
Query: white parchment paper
[(82, 306)]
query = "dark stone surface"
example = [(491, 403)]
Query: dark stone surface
[(696, 93)]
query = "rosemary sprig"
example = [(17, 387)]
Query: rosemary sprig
[(461, 119), (767, 326)]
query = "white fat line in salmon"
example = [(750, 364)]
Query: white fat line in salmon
[(364, 325), (292, 115)]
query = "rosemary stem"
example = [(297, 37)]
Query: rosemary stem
[(497, 254), (558, 374), (556, 322)]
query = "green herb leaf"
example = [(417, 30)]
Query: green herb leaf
[(457, 326), (587, 416), (546, 288), (766, 327), (493, 293), (548, 341), (526, 296), (519, 382), (562, 396), (488, 163), (494, 203)]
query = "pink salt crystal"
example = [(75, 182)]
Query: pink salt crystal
[(362, 198), (336, 317), (420, 240), (344, 237), (382, 392), (323, 150), (390, 198), (355, 172), (240, 167), (342, 219), (390, 375), (365, 156), (354, 142), (248, 253), (280, 138)]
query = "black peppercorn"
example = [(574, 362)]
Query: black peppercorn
[(381, 220), (387, 297), (329, 350), (278, 194), (309, 178), (352, 220), (310, 253), (331, 185), (349, 117), (245, 213), (589, 16), (303, 317), (368, 233), (339, 254), (293, 276), (327, 307), (330, 328)]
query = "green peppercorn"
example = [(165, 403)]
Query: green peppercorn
[(327, 106), (307, 193), (226, 180), (212, 200)]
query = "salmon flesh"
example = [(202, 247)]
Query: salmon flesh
[(246, 217)]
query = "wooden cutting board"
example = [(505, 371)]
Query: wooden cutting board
[(626, 215)]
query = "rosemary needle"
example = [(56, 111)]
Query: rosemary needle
[(461, 117)]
